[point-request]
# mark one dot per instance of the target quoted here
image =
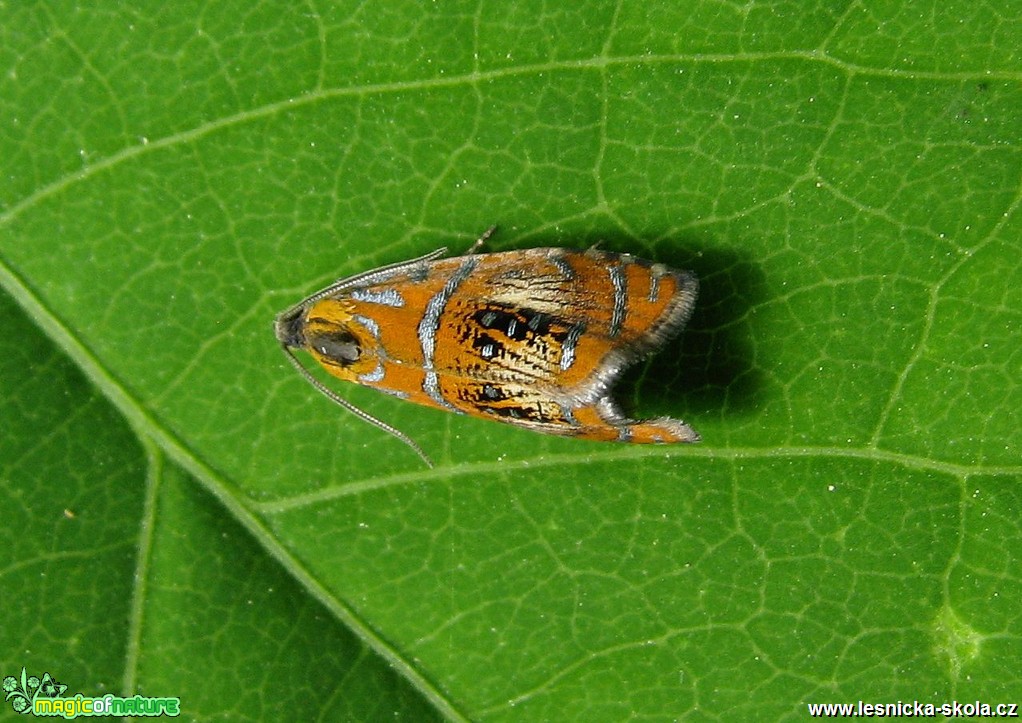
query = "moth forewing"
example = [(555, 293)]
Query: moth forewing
[(533, 338)]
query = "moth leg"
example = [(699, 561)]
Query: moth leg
[(602, 421), (481, 240)]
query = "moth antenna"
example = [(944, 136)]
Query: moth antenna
[(366, 277), (364, 416), (482, 239)]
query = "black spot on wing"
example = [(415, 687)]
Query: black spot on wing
[(517, 324), (510, 404)]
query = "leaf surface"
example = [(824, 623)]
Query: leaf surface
[(184, 516)]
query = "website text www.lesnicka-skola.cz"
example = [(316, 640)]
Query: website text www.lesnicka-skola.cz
[(913, 709)]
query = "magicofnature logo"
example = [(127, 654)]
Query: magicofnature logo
[(45, 697)]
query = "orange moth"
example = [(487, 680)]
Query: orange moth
[(534, 338)]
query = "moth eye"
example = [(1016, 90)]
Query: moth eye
[(339, 346)]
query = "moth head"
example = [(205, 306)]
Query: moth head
[(335, 337), (289, 328)]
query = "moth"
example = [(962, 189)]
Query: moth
[(534, 338)]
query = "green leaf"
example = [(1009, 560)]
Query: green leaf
[(184, 516)]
